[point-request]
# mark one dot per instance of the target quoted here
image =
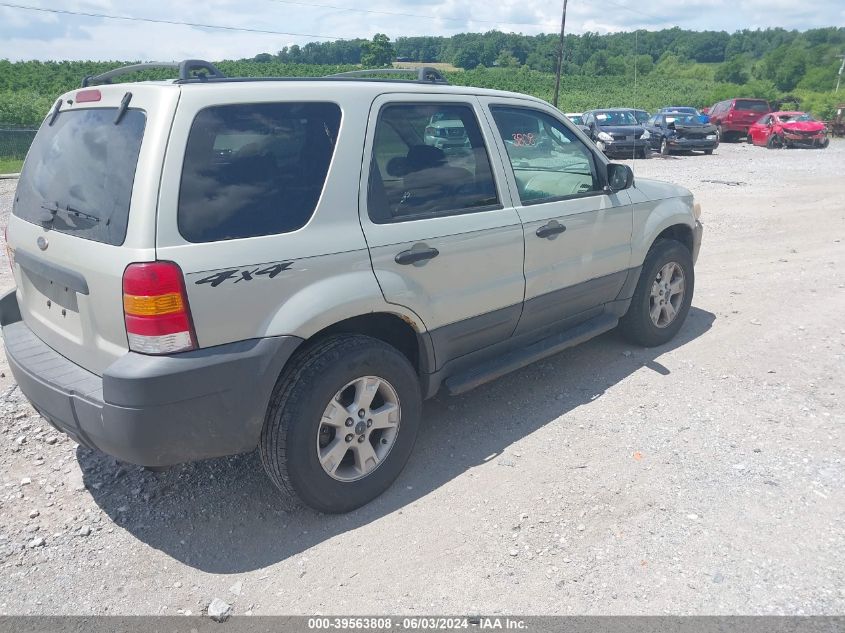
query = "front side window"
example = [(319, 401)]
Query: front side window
[(549, 162), (428, 160), (255, 169)]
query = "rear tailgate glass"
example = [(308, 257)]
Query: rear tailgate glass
[(755, 106), (79, 172)]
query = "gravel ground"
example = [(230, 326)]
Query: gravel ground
[(702, 477)]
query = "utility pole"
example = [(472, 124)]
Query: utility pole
[(839, 77), (560, 56)]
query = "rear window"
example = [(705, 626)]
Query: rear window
[(754, 106), (256, 169), (79, 173)]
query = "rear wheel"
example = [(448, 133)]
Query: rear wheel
[(341, 423), (662, 297)]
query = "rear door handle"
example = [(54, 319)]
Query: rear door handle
[(550, 229), (414, 255)]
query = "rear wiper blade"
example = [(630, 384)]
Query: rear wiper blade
[(53, 208)]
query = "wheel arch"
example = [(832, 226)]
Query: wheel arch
[(669, 219)]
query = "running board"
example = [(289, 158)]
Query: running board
[(517, 359)]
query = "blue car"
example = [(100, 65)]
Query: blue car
[(685, 110)]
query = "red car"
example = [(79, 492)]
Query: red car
[(733, 117), (788, 129)]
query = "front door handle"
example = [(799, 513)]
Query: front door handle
[(414, 255), (551, 229)]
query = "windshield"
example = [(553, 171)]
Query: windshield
[(577, 119), (685, 110), (795, 118), (754, 106), (79, 173), (682, 119), (615, 117)]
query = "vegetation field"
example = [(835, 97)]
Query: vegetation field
[(644, 69)]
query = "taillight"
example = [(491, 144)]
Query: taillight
[(155, 307)]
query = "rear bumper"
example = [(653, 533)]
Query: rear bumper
[(151, 410), (738, 128)]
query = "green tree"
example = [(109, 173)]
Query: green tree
[(378, 53), (733, 71), (506, 59)]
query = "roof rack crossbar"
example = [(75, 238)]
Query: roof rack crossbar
[(425, 74), (188, 69)]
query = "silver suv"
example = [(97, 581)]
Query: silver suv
[(207, 266)]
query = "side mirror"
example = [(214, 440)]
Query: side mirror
[(619, 177)]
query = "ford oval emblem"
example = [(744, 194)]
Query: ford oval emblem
[(42, 243)]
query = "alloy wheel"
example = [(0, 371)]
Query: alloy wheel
[(358, 428), (667, 295)]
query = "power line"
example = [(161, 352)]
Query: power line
[(127, 18), (408, 15)]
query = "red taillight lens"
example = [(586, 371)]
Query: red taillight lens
[(88, 96), (155, 306)]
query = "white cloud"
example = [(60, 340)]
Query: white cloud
[(36, 35)]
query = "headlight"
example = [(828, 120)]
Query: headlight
[(696, 210), (604, 136), (711, 137), (646, 135)]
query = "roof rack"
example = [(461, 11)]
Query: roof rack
[(425, 74), (188, 69)]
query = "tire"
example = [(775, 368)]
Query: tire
[(296, 424), (645, 153), (774, 142), (719, 133), (637, 325), (708, 152), (664, 147)]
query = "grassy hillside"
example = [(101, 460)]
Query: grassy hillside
[(28, 89)]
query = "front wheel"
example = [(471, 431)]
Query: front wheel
[(708, 152), (774, 142), (664, 147), (341, 423), (662, 297)]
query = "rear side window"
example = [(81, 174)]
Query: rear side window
[(255, 169), (428, 160), (79, 174), (754, 106)]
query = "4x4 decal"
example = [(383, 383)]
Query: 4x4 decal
[(237, 275)]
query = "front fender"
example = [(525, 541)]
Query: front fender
[(652, 217)]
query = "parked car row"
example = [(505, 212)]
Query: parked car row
[(627, 132)]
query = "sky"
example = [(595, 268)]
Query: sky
[(28, 34)]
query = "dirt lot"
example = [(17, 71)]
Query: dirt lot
[(705, 476)]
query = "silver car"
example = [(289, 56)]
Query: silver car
[(206, 266)]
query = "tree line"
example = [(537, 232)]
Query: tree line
[(672, 65)]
